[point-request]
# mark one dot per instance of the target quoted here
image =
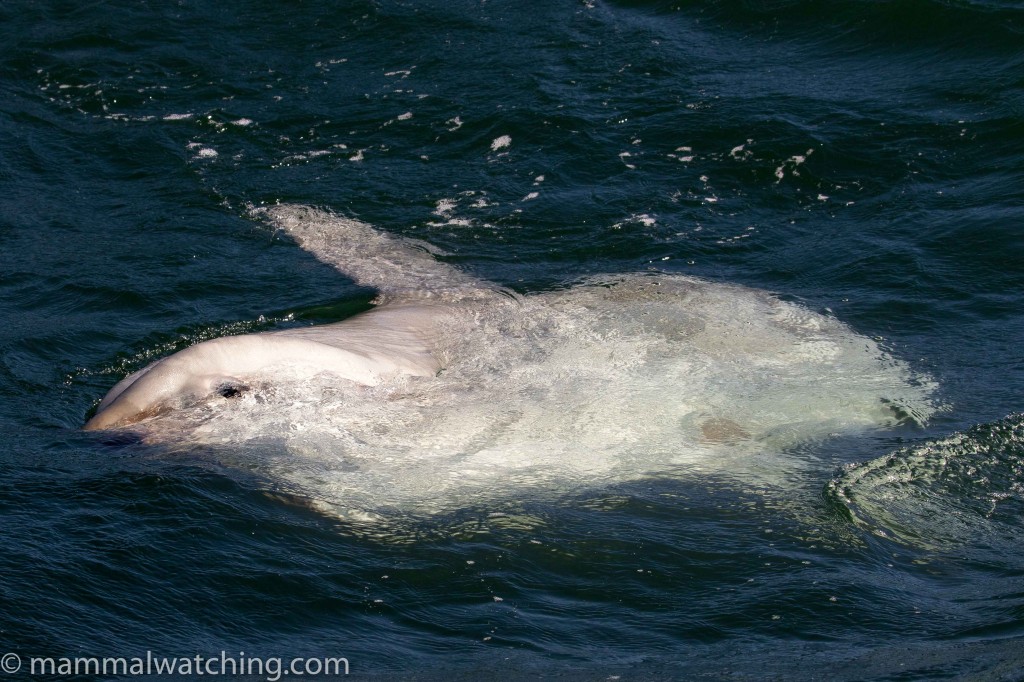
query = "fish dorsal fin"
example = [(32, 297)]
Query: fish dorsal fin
[(400, 268)]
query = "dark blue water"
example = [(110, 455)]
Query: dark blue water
[(862, 158)]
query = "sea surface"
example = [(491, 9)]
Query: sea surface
[(862, 159)]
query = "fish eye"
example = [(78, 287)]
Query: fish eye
[(231, 390)]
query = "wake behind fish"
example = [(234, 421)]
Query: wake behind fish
[(610, 379)]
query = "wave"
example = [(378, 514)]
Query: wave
[(967, 488)]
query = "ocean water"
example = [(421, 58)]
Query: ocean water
[(862, 160)]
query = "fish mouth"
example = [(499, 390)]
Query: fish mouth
[(104, 421)]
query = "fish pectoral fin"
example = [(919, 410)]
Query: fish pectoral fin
[(722, 430)]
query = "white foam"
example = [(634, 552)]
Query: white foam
[(201, 152), (444, 207), (331, 62), (641, 218), (501, 142), (306, 157), (792, 163), (740, 152)]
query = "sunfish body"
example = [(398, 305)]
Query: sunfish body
[(451, 388)]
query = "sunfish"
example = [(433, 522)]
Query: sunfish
[(451, 384)]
